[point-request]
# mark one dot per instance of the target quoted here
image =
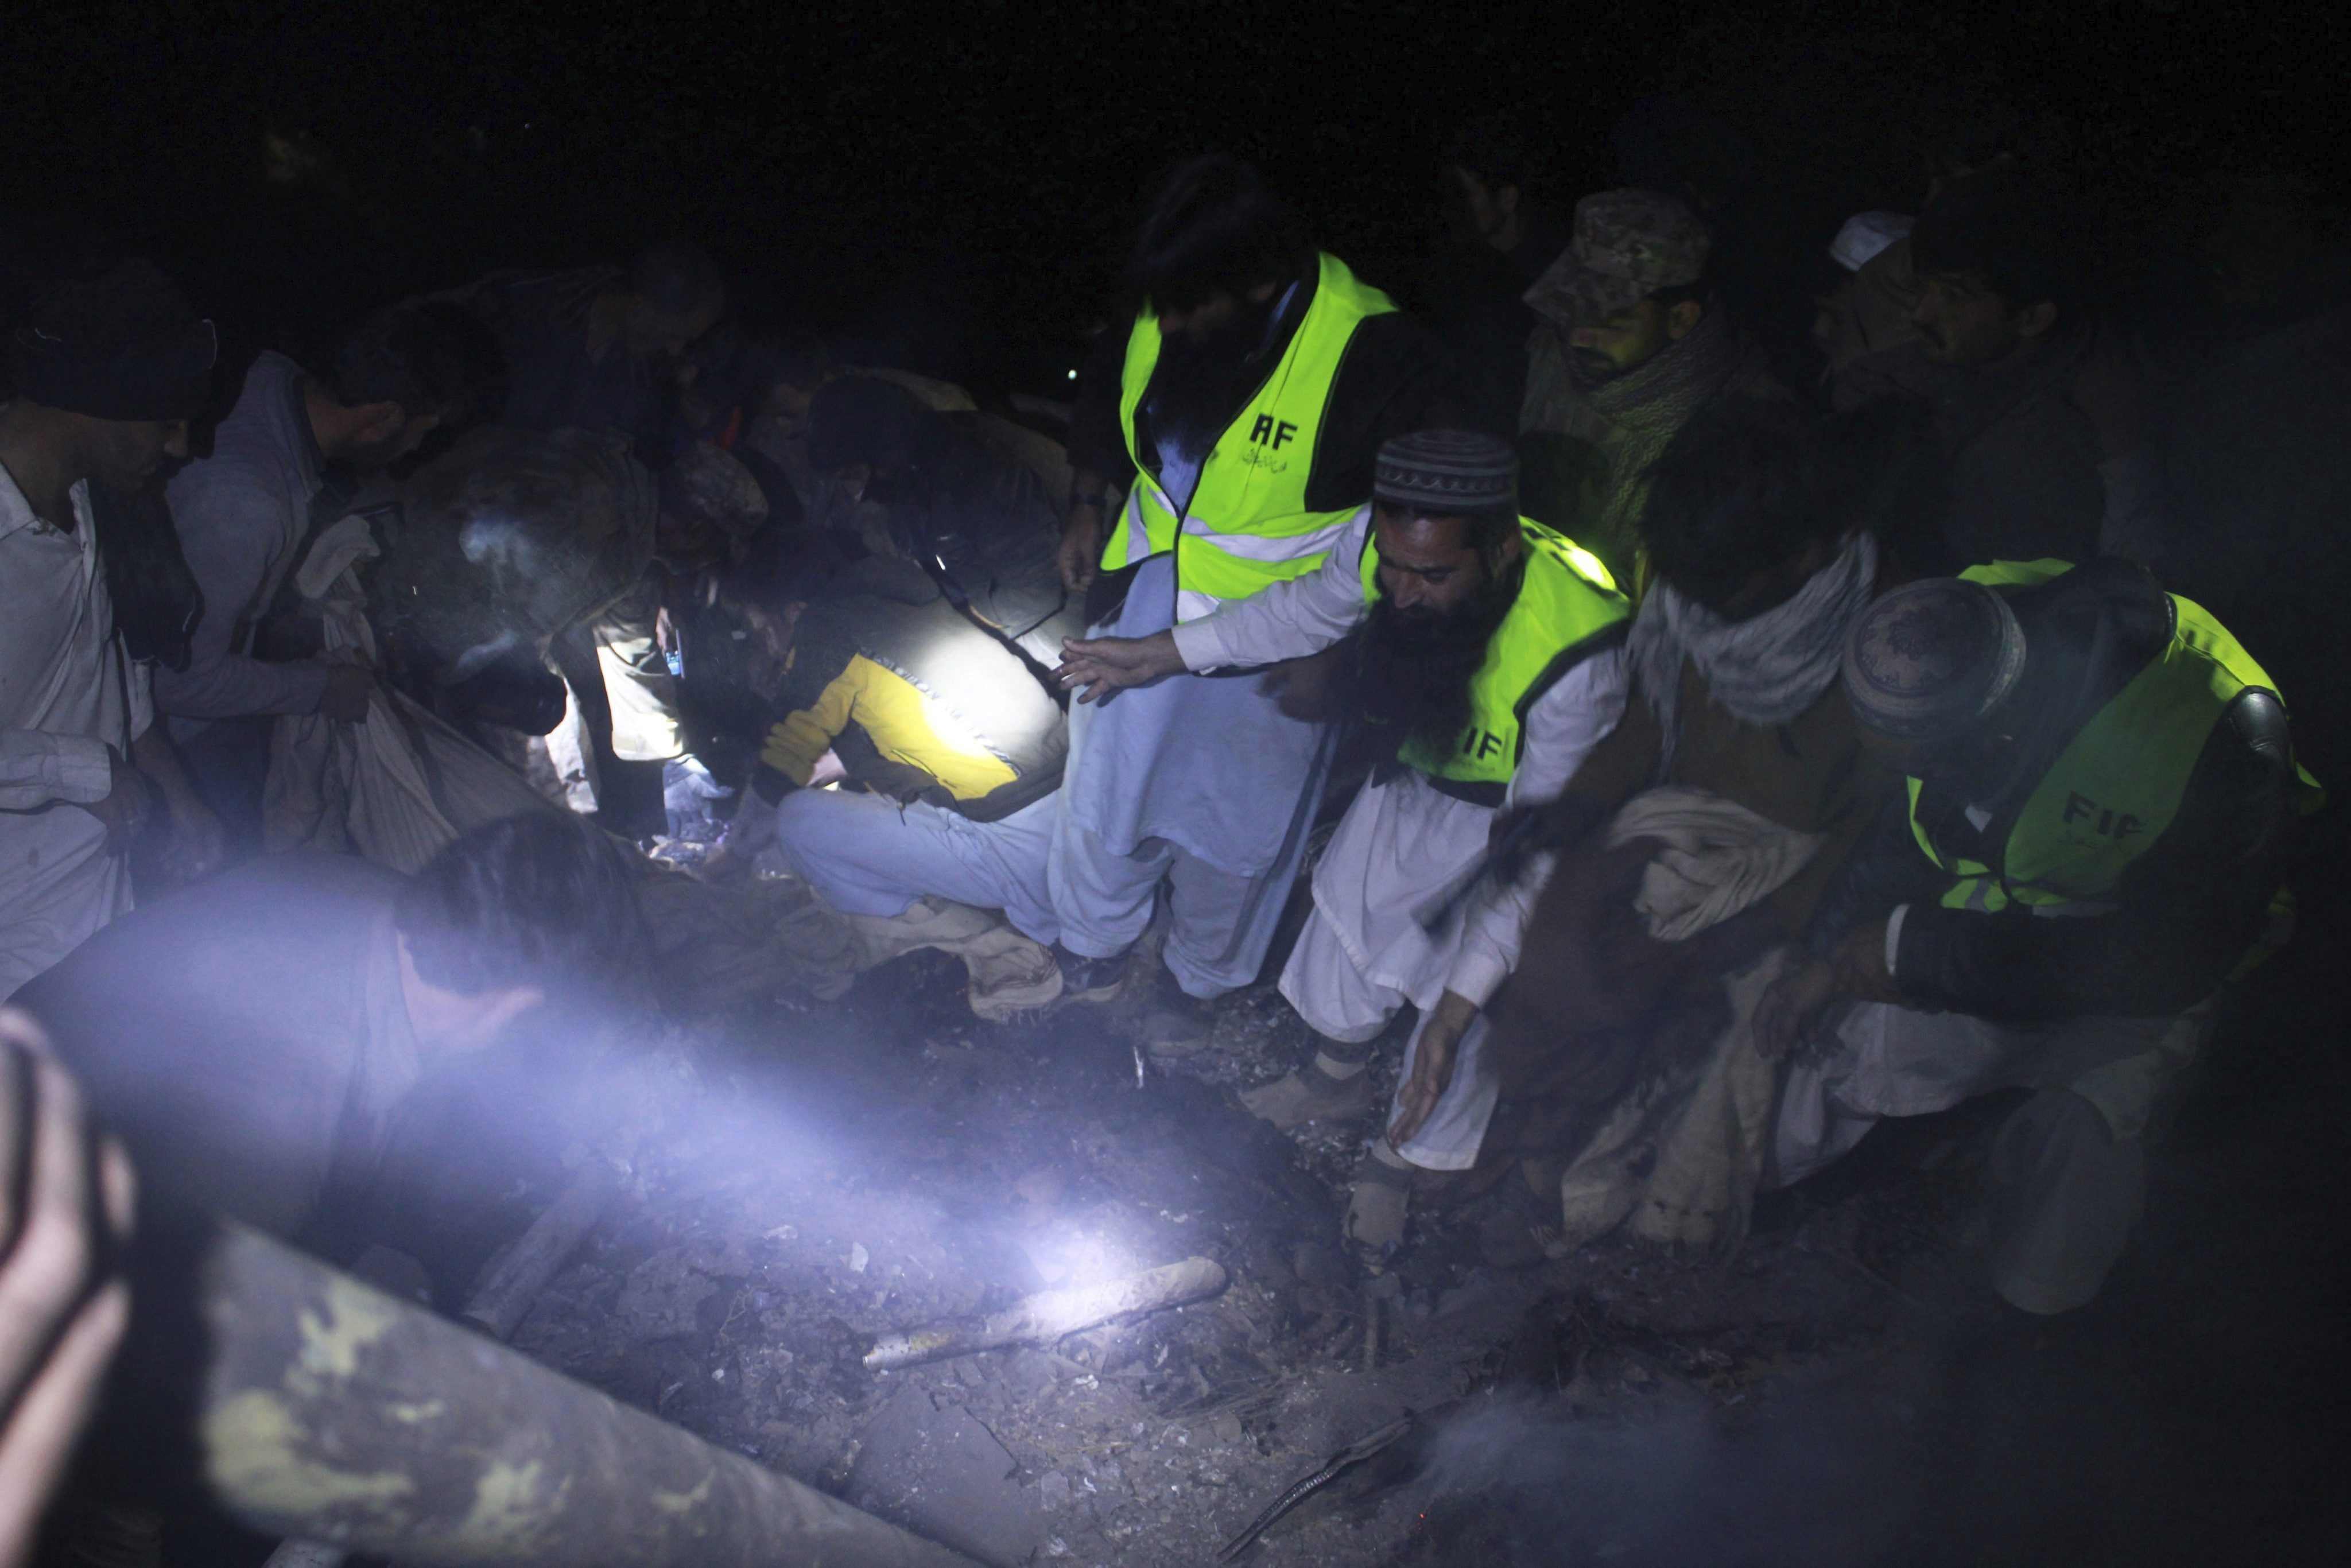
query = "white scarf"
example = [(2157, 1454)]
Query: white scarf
[(1763, 671)]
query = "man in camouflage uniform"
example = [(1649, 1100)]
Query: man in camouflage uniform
[(1632, 341)]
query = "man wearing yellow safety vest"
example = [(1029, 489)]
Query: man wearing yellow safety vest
[(1490, 655), (1240, 410), (2102, 794)]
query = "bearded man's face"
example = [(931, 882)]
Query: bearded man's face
[(1441, 599)]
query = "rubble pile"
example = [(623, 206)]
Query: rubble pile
[(839, 1174)]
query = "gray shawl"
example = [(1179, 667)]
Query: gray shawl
[(1763, 671)]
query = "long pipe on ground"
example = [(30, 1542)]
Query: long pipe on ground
[(1049, 1315), (503, 1297), (310, 1406)]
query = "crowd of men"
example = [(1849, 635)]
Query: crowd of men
[(1712, 764)]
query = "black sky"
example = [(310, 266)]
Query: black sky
[(953, 180)]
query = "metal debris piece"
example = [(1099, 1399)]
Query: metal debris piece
[(1041, 1319), (1314, 1481)]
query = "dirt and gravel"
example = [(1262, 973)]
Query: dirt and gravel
[(818, 1175), (1841, 1388)]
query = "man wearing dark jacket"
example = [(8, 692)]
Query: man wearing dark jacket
[(2102, 792), (2038, 410)]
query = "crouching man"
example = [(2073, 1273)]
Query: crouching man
[(1491, 653), (252, 1037), (2081, 745), (947, 747)]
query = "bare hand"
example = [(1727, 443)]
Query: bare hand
[(197, 844), (63, 1307), (345, 698), (1793, 1000), (1433, 1056), (1311, 690), (1081, 547), (124, 811), (1095, 667)]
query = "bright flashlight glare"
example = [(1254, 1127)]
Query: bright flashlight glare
[(1067, 1258)]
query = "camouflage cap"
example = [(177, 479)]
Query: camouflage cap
[(1627, 245)]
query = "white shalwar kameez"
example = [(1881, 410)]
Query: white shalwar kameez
[(67, 695), (1404, 845)]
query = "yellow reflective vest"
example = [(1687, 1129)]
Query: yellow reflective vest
[(2118, 783), (1568, 608), (1246, 524)]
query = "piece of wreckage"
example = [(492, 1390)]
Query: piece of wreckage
[(496, 549)]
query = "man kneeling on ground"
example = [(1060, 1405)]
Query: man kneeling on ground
[(1695, 841), (2079, 744), (1491, 655)]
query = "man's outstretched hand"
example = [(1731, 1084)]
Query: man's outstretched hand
[(1094, 667), (1434, 1055)]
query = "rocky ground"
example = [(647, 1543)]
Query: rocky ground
[(1840, 1389)]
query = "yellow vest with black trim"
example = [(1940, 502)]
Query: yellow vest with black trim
[(1567, 608), (2115, 788), (1246, 524)]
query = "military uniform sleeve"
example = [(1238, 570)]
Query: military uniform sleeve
[(2188, 910)]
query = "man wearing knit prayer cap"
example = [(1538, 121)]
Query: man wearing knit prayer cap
[(2081, 745), (106, 372), (1488, 660)]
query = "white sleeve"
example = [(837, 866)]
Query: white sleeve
[(1577, 714), (140, 682), (38, 768), (1289, 620), (1561, 731)]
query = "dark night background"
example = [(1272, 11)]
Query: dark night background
[(947, 186)]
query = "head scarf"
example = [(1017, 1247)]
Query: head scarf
[(1763, 671)]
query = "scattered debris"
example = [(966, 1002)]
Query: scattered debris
[(1312, 1481), (1054, 1314), (941, 1473)]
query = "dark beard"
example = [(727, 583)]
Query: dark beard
[(1200, 379), (1416, 669)]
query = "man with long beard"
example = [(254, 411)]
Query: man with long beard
[(1490, 650)]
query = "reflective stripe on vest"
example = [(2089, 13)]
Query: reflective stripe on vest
[(1567, 608), (1247, 525), (2118, 785)]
